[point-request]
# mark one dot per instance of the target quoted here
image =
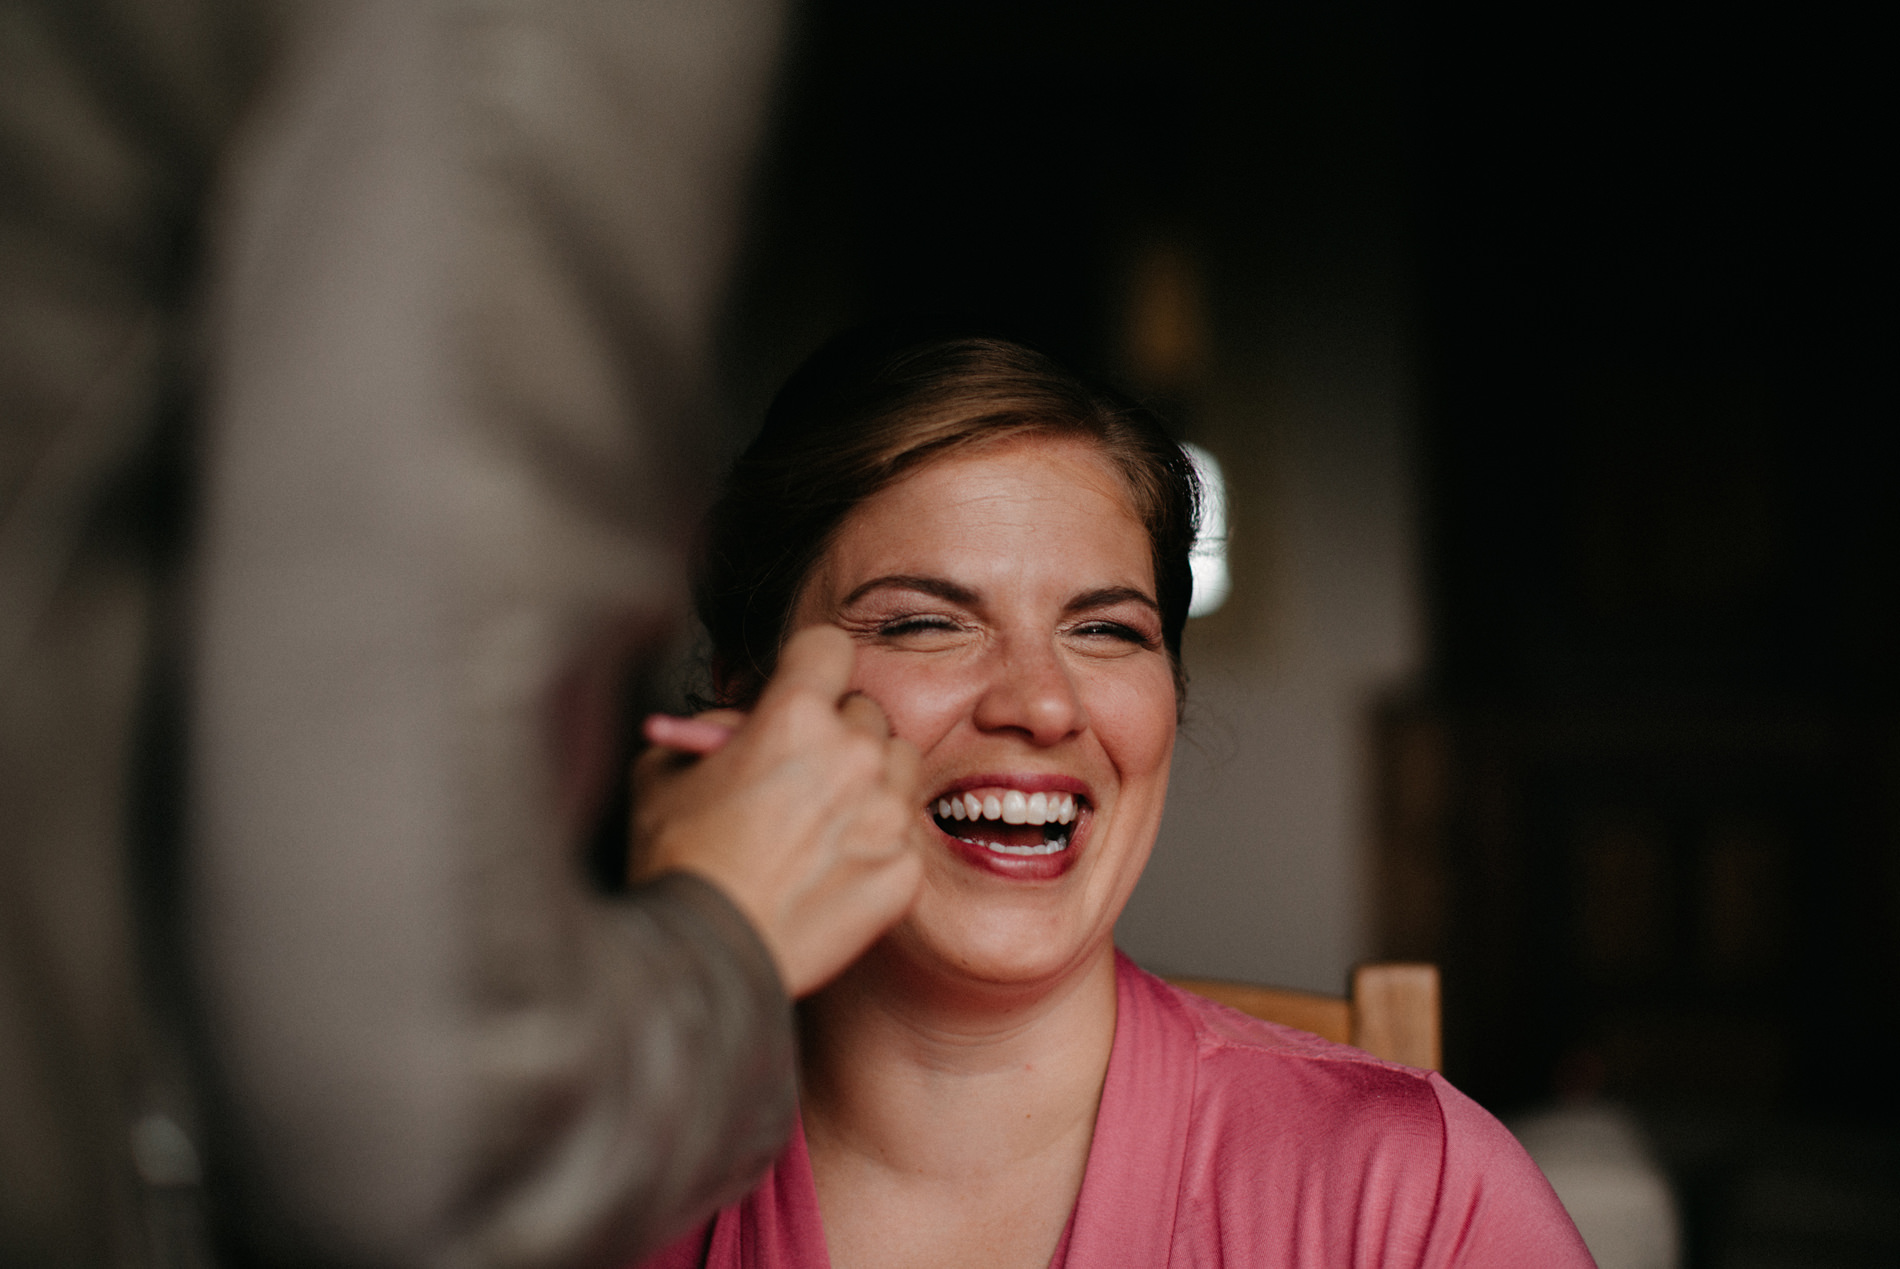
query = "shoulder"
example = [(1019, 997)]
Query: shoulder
[(1289, 1131), (1255, 1076), (1495, 1207)]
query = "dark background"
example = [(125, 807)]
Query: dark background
[(1642, 802)]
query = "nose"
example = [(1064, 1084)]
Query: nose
[(1031, 692)]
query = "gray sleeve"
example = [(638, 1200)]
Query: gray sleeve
[(468, 256)]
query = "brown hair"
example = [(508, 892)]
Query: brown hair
[(870, 407)]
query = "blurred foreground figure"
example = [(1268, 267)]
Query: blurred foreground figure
[(348, 352)]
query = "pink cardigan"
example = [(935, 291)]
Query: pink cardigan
[(1225, 1141)]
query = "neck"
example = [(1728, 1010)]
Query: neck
[(929, 1080)]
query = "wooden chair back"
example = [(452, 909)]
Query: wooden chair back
[(1392, 1012)]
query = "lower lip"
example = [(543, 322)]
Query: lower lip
[(1016, 867)]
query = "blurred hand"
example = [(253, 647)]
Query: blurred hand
[(805, 812)]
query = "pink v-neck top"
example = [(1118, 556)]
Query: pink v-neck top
[(1222, 1140)]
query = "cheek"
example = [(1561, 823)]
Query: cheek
[(1135, 721), (922, 700)]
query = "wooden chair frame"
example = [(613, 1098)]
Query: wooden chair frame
[(1392, 1013)]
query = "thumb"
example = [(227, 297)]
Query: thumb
[(818, 659)]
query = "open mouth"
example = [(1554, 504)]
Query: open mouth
[(1009, 821)]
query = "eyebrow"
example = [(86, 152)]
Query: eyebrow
[(938, 586), (1110, 595), (951, 592)]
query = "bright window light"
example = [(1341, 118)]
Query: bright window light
[(1209, 556)]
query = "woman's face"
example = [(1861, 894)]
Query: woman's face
[(1003, 604)]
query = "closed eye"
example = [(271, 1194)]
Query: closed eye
[(901, 626), (1141, 617), (1117, 631)]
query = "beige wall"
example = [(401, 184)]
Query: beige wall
[(1261, 869)]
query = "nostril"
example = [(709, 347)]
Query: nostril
[(1034, 696)]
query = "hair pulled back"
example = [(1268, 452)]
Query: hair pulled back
[(867, 409)]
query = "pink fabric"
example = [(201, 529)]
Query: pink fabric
[(1226, 1141)]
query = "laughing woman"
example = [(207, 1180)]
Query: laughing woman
[(993, 1084)]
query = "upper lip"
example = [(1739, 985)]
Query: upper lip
[(1022, 781)]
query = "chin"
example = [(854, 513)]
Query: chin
[(996, 949)]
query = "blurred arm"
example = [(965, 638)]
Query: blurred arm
[(469, 260)]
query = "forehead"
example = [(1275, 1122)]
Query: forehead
[(1021, 502)]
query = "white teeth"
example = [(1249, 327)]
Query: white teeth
[(1011, 807), (1040, 848)]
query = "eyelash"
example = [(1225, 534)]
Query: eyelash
[(913, 625), (1114, 630), (897, 627)]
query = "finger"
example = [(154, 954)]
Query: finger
[(865, 714), (688, 735), (902, 764), (654, 764), (877, 851), (886, 827), (894, 884), (817, 659)]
